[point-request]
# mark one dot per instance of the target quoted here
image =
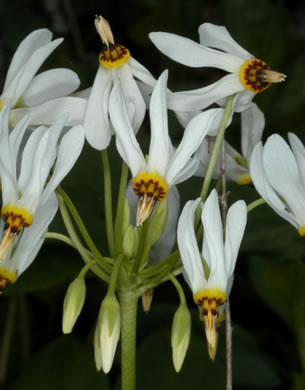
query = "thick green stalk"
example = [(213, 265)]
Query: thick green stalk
[(108, 202), (128, 305)]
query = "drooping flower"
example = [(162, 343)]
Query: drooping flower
[(29, 176), (217, 49), (210, 287), (116, 63), (236, 164), (43, 97), (278, 174), (164, 166)]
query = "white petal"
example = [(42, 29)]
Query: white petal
[(141, 73), (49, 112), (126, 142), (188, 246), (203, 97), (17, 87), (96, 123), (50, 85), (8, 159), (187, 52), (160, 144), (165, 244), (235, 227), (212, 246), (133, 98), (299, 154), (31, 240), (28, 156), (27, 47), (283, 175), (218, 37), (263, 187), (192, 138), (252, 127), (69, 150)]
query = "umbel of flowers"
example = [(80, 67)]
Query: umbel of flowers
[(34, 159)]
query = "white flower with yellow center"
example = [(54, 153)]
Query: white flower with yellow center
[(236, 164), (278, 174), (210, 287), (43, 97), (30, 173), (164, 166), (116, 63), (217, 49)]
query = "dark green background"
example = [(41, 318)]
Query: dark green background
[(268, 296)]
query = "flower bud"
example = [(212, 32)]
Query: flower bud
[(130, 242), (181, 334), (108, 332), (157, 222), (73, 303), (126, 216)]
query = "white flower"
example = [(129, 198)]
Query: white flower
[(210, 287), (31, 172), (217, 49), (278, 174), (115, 64), (236, 164), (164, 167), (42, 97)]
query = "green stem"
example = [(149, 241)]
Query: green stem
[(120, 210), (178, 288), (59, 237), (79, 223), (171, 260), (141, 248), (74, 236), (254, 204), (128, 305), (114, 275), (214, 155), (86, 268), (108, 202)]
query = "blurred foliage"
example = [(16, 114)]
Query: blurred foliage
[(268, 297)]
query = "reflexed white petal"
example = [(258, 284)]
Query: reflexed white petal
[(50, 85), (19, 84), (165, 244), (31, 240), (28, 156), (126, 142), (299, 154), (27, 47), (160, 143), (7, 160), (141, 73), (49, 112), (203, 97), (188, 246), (235, 227), (188, 170), (187, 52), (283, 175), (252, 127), (263, 187), (218, 37), (192, 138), (69, 150), (212, 246), (133, 98), (96, 122)]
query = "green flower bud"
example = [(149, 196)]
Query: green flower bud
[(73, 303), (108, 332), (126, 216), (157, 222), (129, 242), (181, 334)]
